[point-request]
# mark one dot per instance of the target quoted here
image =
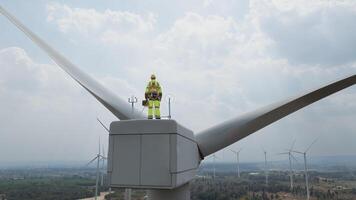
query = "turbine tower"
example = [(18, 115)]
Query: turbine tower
[(103, 167), (305, 167), (237, 153), (162, 155), (214, 163)]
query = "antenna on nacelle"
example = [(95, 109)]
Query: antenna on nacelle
[(169, 97), (169, 108)]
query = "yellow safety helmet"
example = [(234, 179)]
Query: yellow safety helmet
[(153, 77)]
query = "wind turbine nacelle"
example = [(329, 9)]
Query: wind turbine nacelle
[(151, 154)]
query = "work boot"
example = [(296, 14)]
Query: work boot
[(158, 117), (150, 117)]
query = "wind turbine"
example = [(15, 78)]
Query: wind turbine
[(103, 160), (150, 169), (305, 166), (237, 153), (290, 157), (266, 170), (97, 158), (214, 163)]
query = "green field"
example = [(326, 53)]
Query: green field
[(47, 188)]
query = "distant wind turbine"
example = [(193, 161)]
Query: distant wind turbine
[(290, 157), (97, 158), (266, 170), (103, 160), (305, 166), (237, 153), (214, 163)]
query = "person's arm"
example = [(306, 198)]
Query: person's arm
[(159, 92), (146, 91)]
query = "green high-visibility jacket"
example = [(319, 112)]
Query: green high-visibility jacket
[(153, 87)]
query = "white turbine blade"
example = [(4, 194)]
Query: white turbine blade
[(294, 158), (92, 160), (104, 155), (231, 131), (291, 148), (112, 102), (297, 152), (99, 147), (311, 145), (284, 153), (102, 124)]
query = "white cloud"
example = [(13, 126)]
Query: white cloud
[(195, 38), (118, 27), (306, 7), (310, 32)]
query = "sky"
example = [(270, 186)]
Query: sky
[(216, 59)]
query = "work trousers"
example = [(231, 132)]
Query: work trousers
[(154, 104)]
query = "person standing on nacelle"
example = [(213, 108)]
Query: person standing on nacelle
[(153, 95)]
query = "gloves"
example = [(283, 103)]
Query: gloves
[(160, 96), (146, 96)]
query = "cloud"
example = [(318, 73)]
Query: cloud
[(318, 34), (118, 27), (194, 36)]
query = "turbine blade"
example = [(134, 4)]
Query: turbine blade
[(311, 144), (112, 102), (291, 148), (297, 152), (284, 153), (99, 147), (102, 124), (92, 160), (231, 131), (294, 158), (104, 151)]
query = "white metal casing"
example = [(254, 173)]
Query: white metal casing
[(151, 154)]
